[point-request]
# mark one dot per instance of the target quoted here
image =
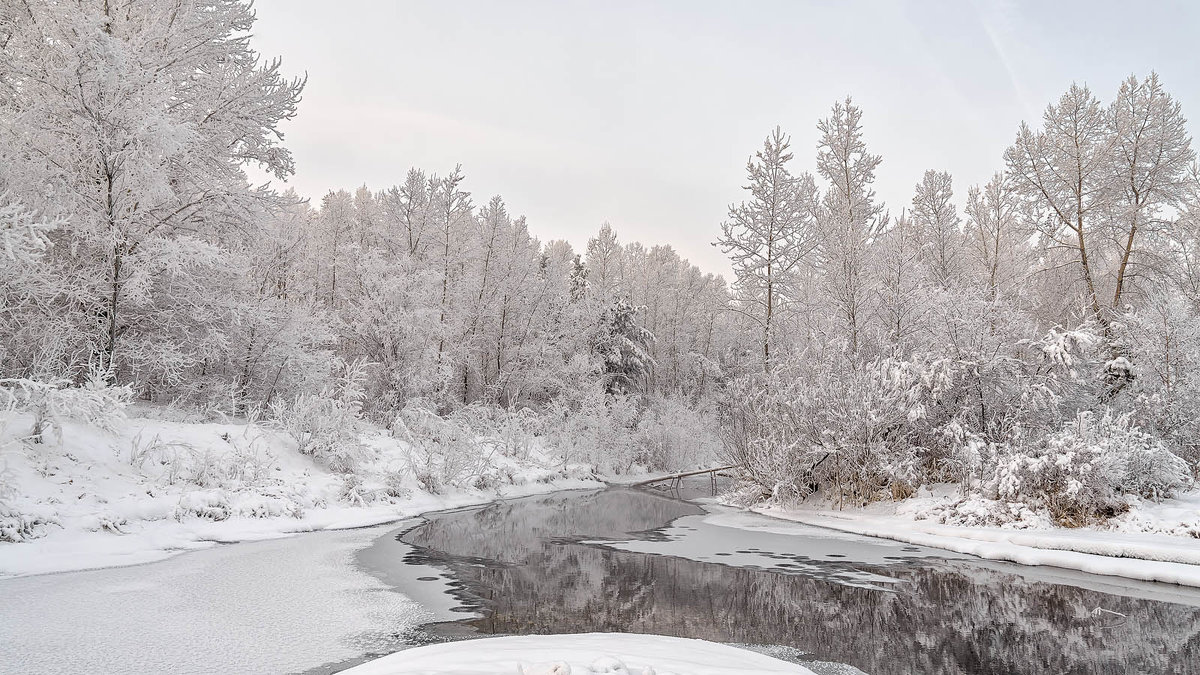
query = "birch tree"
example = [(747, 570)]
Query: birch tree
[(849, 219), (1152, 153), (769, 237), (1064, 170)]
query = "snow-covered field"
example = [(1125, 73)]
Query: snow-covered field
[(584, 654), (154, 488), (1154, 541)]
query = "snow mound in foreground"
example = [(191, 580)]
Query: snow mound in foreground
[(581, 654)]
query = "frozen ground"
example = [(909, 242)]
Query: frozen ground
[(1153, 542), (155, 488), (583, 654), (277, 606)]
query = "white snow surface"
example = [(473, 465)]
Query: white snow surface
[(1134, 548), (579, 654), (155, 488), (278, 606)]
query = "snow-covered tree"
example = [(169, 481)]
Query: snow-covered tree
[(1064, 171), (849, 219), (938, 227), (1152, 152), (996, 237), (133, 125), (623, 348), (769, 237)]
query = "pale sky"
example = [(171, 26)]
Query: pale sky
[(643, 114)]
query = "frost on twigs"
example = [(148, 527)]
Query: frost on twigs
[(1095, 468), (19, 520), (53, 401), (326, 425), (444, 452)]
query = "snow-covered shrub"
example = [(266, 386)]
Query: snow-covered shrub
[(17, 525), (443, 452), (53, 401), (208, 505), (1089, 470), (1161, 344), (20, 520), (510, 432), (174, 462), (975, 511), (327, 425), (671, 435), (848, 428), (595, 428), (222, 504)]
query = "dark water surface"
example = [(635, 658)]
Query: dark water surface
[(562, 563)]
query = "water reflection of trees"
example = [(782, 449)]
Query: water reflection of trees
[(944, 617)]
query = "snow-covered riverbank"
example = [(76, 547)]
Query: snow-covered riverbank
[(153, 488), (585, 654), (1152, 542)]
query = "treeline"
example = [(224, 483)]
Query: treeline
[(1039, 346), (137, 255)]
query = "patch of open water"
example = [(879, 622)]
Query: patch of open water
[(643, 562)]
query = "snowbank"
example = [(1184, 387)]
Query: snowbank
[(154, 488), (582, 654), (1143, 554)]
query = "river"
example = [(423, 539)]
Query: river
[(639, 561)]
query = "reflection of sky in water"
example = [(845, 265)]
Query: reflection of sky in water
[(749, 540)]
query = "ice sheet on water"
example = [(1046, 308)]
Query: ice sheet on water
[(282, 605), (745, 539)]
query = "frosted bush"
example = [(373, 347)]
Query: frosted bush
[(385, 488), (53, 401), (595, 428), (514, 432), (20, 520), (327, 425), (510, 432), (671, 435), (221, 504), (178, 462), (209, 505), (849, 429), (17, 525), (442, 452), (980, 512), (1090, 469)]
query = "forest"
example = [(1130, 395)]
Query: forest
[(1034, 340)]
